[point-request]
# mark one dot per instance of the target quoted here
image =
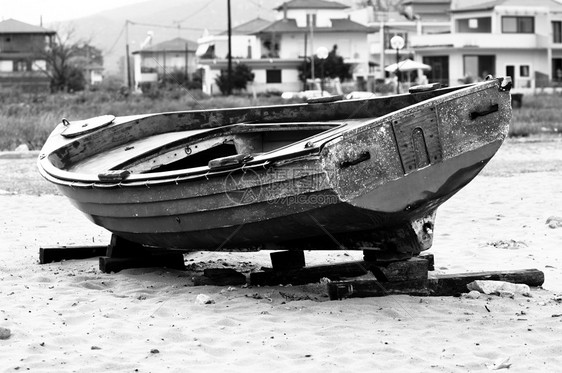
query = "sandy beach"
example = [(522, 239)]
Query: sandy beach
[(70, 317)]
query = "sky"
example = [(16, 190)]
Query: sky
[(52, 11)]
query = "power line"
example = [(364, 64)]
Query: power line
[(195, 13), (170, 27), (116, 40)]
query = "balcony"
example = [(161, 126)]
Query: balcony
[(482, 41), (148, 77)]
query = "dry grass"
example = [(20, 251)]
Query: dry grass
[(539, 114), (28, 119)]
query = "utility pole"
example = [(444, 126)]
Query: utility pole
[(310, 20), (186, 60), (229, 52), (127, 64)]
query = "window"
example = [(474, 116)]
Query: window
[(474, 25), (39, 65), (273, 76), (6, 66), (477, 67), (310, 18), (524, 71), (557, 32), (21, 65), (518, 25)]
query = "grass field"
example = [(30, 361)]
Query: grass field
[(29, 119)]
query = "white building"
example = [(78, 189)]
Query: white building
[(505, 37), (275, 50), (152, 62)]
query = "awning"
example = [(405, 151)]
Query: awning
[(407, 65), (205, 51)]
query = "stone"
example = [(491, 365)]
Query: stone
[(499, 287), (5, 333), (554, 222), (204, 299), (473, 294)]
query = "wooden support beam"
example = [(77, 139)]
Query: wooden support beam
[(411, 269), (168, 259), (436, 285), (405, 270), (308, 274), (453, 284), (374, 288), (59, 253), (380, 256), (283, 260)]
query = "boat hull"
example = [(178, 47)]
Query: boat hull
[(308, 221)]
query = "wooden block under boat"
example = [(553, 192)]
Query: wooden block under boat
[(162, 259), (59, 253), (412, 269)]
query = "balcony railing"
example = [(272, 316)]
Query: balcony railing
[(488, 41)]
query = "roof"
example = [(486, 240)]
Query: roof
[(414, 2), (250, 27), (489, 5), (311, 4), (338, 25), (12, 26), (174, 45)]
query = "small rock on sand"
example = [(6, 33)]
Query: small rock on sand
[(499, 287), (473, 294), (204, 299), (5, 333), (554, 222)]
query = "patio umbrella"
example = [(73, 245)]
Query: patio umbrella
[(407, 65)]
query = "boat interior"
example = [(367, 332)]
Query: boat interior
[(202, 148)]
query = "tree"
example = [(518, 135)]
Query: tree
[(334, 67), (241, 75), (66, 63)]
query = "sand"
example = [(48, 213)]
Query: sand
[(70, 317)]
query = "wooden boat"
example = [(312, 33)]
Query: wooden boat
[(355, 174)]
